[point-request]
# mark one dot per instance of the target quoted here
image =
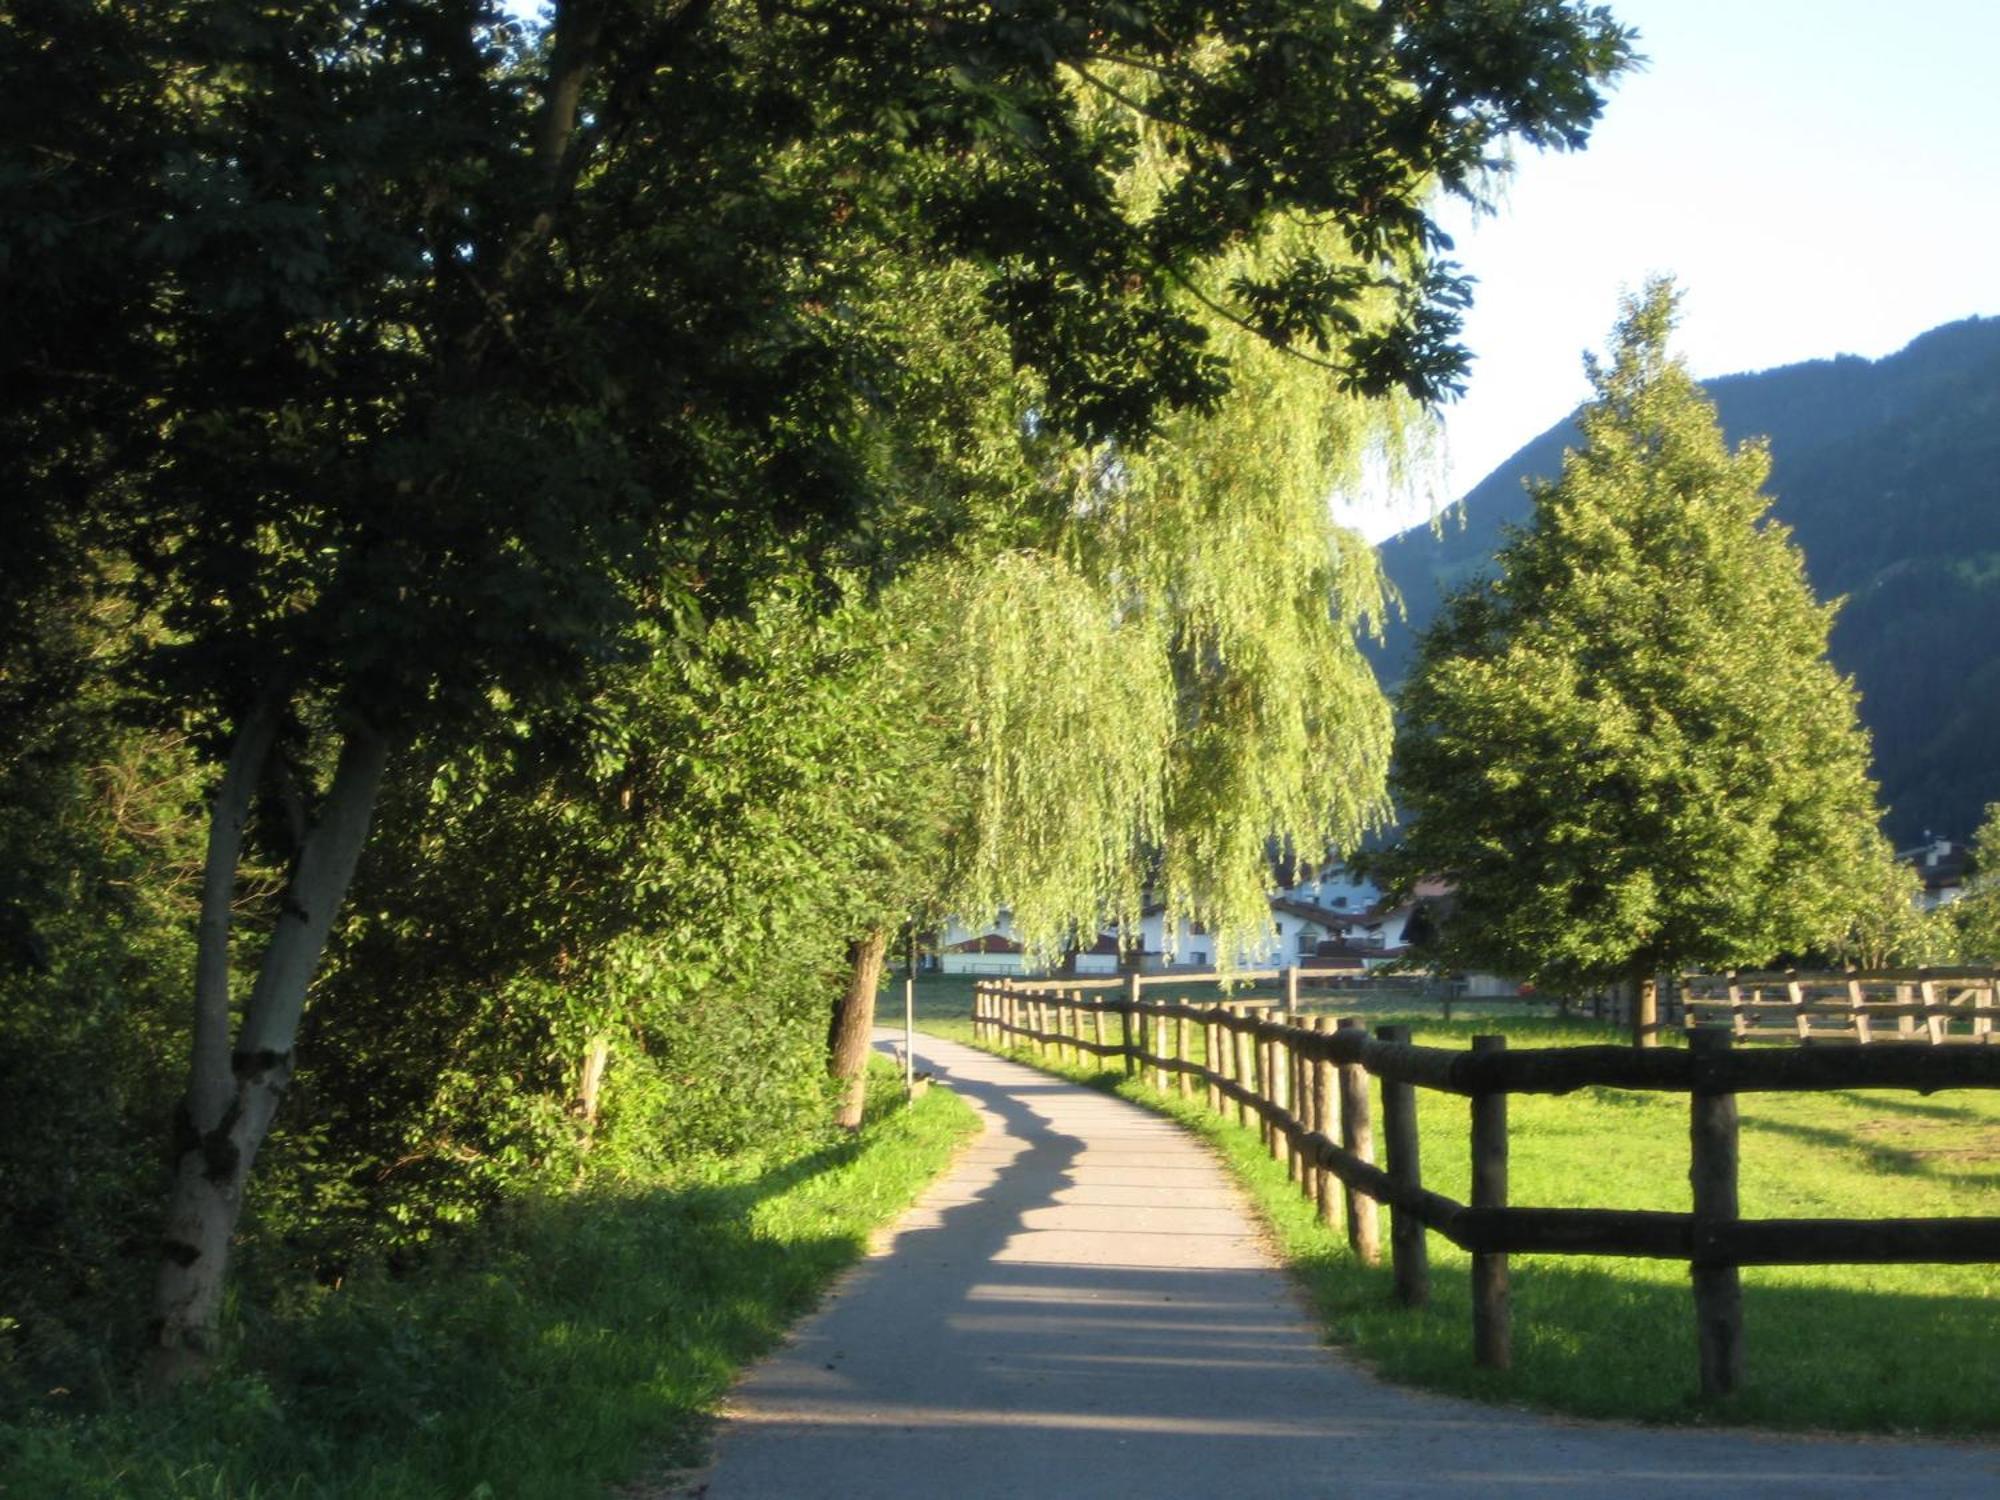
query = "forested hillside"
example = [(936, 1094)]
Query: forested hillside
[(1888, 471)]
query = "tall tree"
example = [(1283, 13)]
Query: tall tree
[(1976, 915), (454, 347), (1628, 750)]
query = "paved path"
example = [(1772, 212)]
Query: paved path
[(1082, 1307)]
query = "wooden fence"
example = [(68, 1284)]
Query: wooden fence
[(1943, 1007), (1304, 1081)]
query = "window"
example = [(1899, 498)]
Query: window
[(1308, 942), (1340, 902), (1200, 962)]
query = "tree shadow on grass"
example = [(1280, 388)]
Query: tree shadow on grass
[(1891, 1159), (1594, 1341)]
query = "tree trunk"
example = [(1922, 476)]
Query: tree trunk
[(854, 1024), (233, 1093), (590, 1085)]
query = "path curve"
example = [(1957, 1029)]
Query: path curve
[(1083, 1306)]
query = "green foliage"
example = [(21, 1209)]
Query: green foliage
[(1152, 691), (565, 1345), (515, 400), (1883, 471), (675, 877), (1065, 715), (1974, 918), (98, 851), (1628, 751), (1891, 925)]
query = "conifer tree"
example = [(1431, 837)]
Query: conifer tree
[(1627, 749)]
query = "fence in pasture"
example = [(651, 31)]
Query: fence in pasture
[(1941, 1006), (1304, 1081)]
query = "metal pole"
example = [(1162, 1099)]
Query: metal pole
[(910, 1018)]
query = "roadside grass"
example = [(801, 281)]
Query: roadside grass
[(576, 1345), (1864, 1349)]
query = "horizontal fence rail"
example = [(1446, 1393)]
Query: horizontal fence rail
[(1943, 1007), (1303, 1081)]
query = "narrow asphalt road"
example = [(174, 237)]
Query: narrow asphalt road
[(1083, 1306)]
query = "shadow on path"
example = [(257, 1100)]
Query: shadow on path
[(1083, 1307)]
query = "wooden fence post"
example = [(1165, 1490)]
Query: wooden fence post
[(1718, 1286), (1129, 1020), (1325, 1184), (1274, 1093), (1364, 1222), (1408, 1251), (1285, 1075), (978, 1010), (1216, 1061), (1291, 988), (1492, 1319), (1243, 1049), (1934, 1019), (1646, 1011), (1295, 1160), (1306, 1109), (1244, 1044), (1159, 1032), (1184, 1050)]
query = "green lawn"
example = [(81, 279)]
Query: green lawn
[(582, 1343), (1863, 1349), (944, 1004)]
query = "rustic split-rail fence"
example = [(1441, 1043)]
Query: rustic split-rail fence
[(1304, 1080)]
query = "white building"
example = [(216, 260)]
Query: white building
[(989, 950), (1327, 918)]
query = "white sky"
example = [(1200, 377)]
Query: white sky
[(1820, 176)]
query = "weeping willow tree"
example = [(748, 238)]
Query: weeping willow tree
[(1167, 683), (1156, 678), (1139, 666), (1140, 660)]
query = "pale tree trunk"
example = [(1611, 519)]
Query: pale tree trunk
[(854, 1024), (590, 1085), (234, 1091)]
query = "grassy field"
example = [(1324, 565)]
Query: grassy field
[(1886, 1349), (944, 1005), (576, 1347)]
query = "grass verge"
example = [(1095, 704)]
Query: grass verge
[(1864, 1349), (556, 1353)]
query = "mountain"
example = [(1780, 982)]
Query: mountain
[(1888, 473)]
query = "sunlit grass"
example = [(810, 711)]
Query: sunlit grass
[(574, 1346), (1855, 1348)]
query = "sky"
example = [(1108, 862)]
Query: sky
[(1821, 177)]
